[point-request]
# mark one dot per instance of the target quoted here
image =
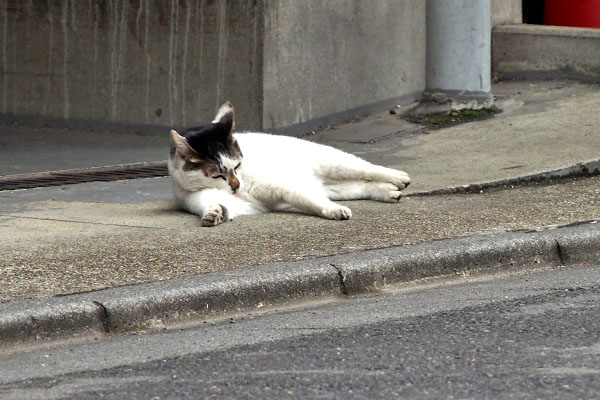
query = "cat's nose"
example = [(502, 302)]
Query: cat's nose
[(234, 183)]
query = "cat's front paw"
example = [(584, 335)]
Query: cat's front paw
[(214, 215), (337, 212)]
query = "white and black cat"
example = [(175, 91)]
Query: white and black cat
[(220, 175)]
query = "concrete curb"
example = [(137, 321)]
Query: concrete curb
[(159, 304), (583, 169)]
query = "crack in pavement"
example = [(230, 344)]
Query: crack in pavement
[(13, 216), (423, 130)]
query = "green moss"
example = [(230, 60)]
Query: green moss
[(474, 113), (438, 120)]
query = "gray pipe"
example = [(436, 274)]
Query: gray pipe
[(459, 51)]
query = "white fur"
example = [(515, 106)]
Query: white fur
[(285, 173)]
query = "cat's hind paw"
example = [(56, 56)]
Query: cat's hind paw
[(386, 192), (400, 179), (215, 215), (337, 212), (393, 196)]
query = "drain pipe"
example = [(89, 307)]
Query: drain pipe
[(459, 53)]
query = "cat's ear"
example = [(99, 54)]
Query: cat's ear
[(181, 145), (225, 116)]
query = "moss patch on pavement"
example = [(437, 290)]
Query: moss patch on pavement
[(444, 119)]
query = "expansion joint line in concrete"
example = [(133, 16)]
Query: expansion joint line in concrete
[(342, 276), (104, 316), (71, 221), (559, 252)]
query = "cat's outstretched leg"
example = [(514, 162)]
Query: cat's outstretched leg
[(216, 206), (347, 167), (309, 198), (317, 204), (362, 190)]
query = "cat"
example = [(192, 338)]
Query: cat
[(220, 175)]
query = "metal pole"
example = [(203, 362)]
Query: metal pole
[(459, 52)]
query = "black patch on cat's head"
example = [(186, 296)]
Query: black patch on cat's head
[(209, 141), (215, 138)]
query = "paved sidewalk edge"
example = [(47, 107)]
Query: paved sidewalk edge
[(159, 304), (583, 169)]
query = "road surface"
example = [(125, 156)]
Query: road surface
[(532, 335)]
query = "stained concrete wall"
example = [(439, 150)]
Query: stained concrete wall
[(170, 63), (131, 61), (322, 57)]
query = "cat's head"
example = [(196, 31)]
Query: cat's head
[(207, 156)]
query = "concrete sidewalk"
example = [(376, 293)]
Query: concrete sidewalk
[(543, 126), (71, 239)]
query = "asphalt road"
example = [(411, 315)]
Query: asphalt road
[(534, 335)]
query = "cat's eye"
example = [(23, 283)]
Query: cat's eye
[(219, 176), (237, 166)]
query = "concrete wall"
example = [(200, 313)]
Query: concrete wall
[(131, 61), (507, 12), (172, 62), (322, 57), (546, 52)]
